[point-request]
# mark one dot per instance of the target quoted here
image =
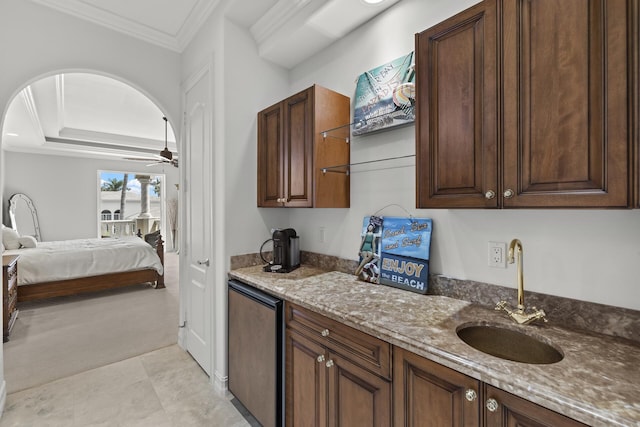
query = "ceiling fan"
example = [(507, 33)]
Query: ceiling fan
[(165, 156)]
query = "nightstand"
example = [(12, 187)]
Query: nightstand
[(9, 293)]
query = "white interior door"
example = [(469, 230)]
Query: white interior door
[(198, 196)]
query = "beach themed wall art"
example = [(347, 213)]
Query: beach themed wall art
[(385, 96)]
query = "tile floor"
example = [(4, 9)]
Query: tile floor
[(163, 388)]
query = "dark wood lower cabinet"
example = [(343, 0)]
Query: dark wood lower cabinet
[(513, 411), (306, 382), (430, 395), (328, 383), (357, 397)]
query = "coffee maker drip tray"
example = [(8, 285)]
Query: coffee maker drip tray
[(277, 268)]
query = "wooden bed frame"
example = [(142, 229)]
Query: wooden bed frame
[(97, 283)]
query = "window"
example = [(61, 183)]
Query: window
[(135, 200)]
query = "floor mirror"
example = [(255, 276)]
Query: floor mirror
[(23, 216)]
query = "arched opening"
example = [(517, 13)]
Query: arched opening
[(57, 133)]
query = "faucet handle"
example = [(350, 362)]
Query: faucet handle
[(502, 305), (540, 314)]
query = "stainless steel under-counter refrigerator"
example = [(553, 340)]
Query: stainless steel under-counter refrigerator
[(256, 352)]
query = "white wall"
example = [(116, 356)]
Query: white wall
[(243, 85), (591, 255), (37, 41), (64, 189), (45, 42)]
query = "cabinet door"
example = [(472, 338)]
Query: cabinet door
[(431, 395), (565, 130), (634, 10), (456, 126), (509, 410), (298, 152), (270, 156), (306, 382), (357, 398)]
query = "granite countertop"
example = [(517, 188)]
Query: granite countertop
[(596, 383)]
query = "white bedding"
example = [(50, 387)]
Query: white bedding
[(70, 259)]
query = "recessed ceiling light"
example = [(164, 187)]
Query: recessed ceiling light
[(11, 134), (372, 1)]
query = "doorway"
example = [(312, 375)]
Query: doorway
[(58, 166)]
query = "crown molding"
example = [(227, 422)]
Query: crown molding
[(196, 19), (281, 14), (112, 21)]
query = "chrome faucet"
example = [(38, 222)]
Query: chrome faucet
[(520, 314)]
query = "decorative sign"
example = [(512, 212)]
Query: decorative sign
[(385, 96), (398, 253), (405, 253)]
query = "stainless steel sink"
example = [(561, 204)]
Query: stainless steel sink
[(509, 344)]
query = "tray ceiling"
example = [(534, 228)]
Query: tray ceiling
[(61, 113)]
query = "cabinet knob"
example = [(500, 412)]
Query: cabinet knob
[(508, 193), (325, 333), (471, 395), (320, 358), (490, 195), (492, 405), (280, 200), (329, 363)]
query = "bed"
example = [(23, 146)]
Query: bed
[(60, 268)]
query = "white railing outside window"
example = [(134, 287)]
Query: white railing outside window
[(118, 228)]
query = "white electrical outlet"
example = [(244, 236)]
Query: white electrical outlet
[(497, 254), (322, 234)]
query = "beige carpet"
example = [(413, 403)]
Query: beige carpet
[(63, 336)]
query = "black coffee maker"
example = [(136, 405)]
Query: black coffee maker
[(286, 251)]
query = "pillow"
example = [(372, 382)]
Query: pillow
[(10, 238), (27, 241)]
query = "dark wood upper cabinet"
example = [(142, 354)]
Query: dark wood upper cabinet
[(292, 151), (270, 156), (456, 111), (526, 103), (635, 91), (566, 129)]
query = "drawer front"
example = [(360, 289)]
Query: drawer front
[(12, 299), (363, 349), (12, 281)]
